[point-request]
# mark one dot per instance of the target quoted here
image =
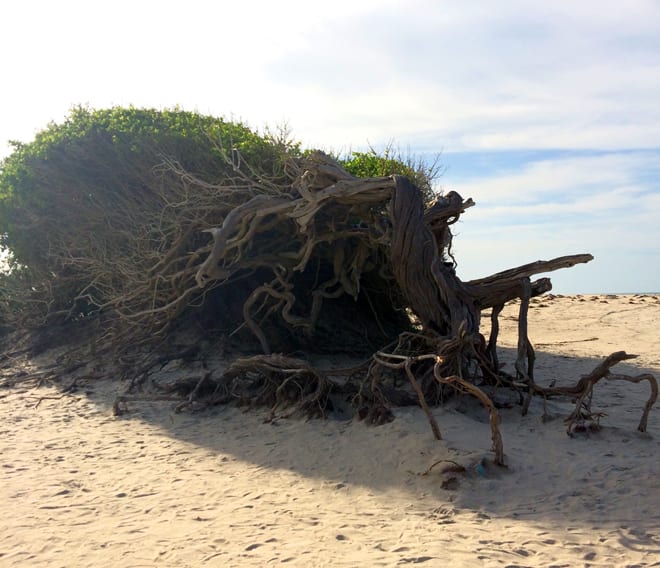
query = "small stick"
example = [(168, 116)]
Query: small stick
[(422, 401)]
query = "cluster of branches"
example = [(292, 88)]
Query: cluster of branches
[(263, 238), (106, 215), (99, 218)]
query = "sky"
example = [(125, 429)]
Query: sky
[(547, 114)]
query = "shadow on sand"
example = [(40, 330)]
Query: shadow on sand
[(596, 480), (550, 476)]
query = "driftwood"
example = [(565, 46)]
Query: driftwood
[(582, 391), (317, 258), (358, 223)]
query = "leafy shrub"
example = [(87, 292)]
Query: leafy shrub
[(105, 206), (79, 171), (391, 160)]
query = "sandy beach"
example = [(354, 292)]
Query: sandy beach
[(82, 487)]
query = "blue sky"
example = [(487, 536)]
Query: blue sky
[(546, 113)]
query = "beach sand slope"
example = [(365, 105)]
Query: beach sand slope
[(81, 487)]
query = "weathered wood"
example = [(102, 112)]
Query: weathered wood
[(496, 436), (583, 389), (537, 267), (283, 243), (413, 253)]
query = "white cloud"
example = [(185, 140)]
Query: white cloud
[(607, 205), (461, 76), (573, 176), (454, 76)]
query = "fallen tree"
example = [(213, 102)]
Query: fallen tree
[(417, 244), (291, 253)]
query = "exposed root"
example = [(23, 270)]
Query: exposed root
[(583, 390), (299, 250), (275, 381), (394, 361), (465, 386), (400, 362)]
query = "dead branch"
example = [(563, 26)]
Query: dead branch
[(388, 360), (465, 386), (583, 389)]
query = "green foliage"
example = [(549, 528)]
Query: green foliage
[(73, 198), (390, 162), (196, 140), (132, 134), (103, 196), (101, 157)]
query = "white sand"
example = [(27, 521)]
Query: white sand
[(81, 487)]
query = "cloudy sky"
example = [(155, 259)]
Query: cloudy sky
[(547, 114)]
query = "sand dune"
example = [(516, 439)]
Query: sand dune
[(81, 487)]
